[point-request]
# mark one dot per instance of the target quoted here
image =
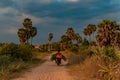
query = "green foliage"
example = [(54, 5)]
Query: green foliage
[(5, 60), (73, 47), (10, 49), (55, 46), (28, 32), (25, 51), (15, 58), (92, 43), (15, 51), (85, 42), (108, 33), (53, 57), (111, 53)]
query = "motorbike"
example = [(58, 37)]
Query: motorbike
[(58, 61)]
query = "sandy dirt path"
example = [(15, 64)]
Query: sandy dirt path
[(47, 71)]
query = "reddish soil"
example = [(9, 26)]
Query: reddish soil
[(47, 71)]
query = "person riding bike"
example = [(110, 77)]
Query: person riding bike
[(58, 56)]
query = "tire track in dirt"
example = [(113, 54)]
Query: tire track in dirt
[(47, 71)]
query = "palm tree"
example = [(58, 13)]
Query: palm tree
[(86, 32), (27, 23), (91, 28), (50, 36), (70, 32), (108, 33), (65, 40), (27, 32), (33, 33), (78, 38), (22, 35)]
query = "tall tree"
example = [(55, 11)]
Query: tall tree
[(65, 40), (78, 38), (33, 32), (70, 36), (27, 32), (27, 23), (108, 33), (50, 36), (86, 32), (70, 32), (22, 35), (91, 28)]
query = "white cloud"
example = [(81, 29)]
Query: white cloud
[(34, 19), (12, 30), (4, 10)]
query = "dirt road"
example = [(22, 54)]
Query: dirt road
[(47, 71)]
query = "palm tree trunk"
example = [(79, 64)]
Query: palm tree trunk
[(49, 46), (31, 40)]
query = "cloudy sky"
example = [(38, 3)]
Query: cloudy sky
[(53, 16)]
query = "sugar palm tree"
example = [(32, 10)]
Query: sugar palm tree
[(27, 23), (33, 33), (22, 35), (50, 36), (108, 33), (78, 38), (86, 32), (70, 32), (65, 40), (93, 29), (27, 32)]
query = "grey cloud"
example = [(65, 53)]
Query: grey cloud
[(54, 17)]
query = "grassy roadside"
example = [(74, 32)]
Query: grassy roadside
[(93, 64), (17, 68), (16, 59)]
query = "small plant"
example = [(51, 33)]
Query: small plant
[(110, 52), (108, 72)]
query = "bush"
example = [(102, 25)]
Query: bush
[(111, 53), (4, 60), (73, 47), (10, 49), (23, 51)]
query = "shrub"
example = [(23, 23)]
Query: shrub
[(25, 52), (108, 68), (73, 47), (4, 60), (15, 51), (111, 53), (10, 49)]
